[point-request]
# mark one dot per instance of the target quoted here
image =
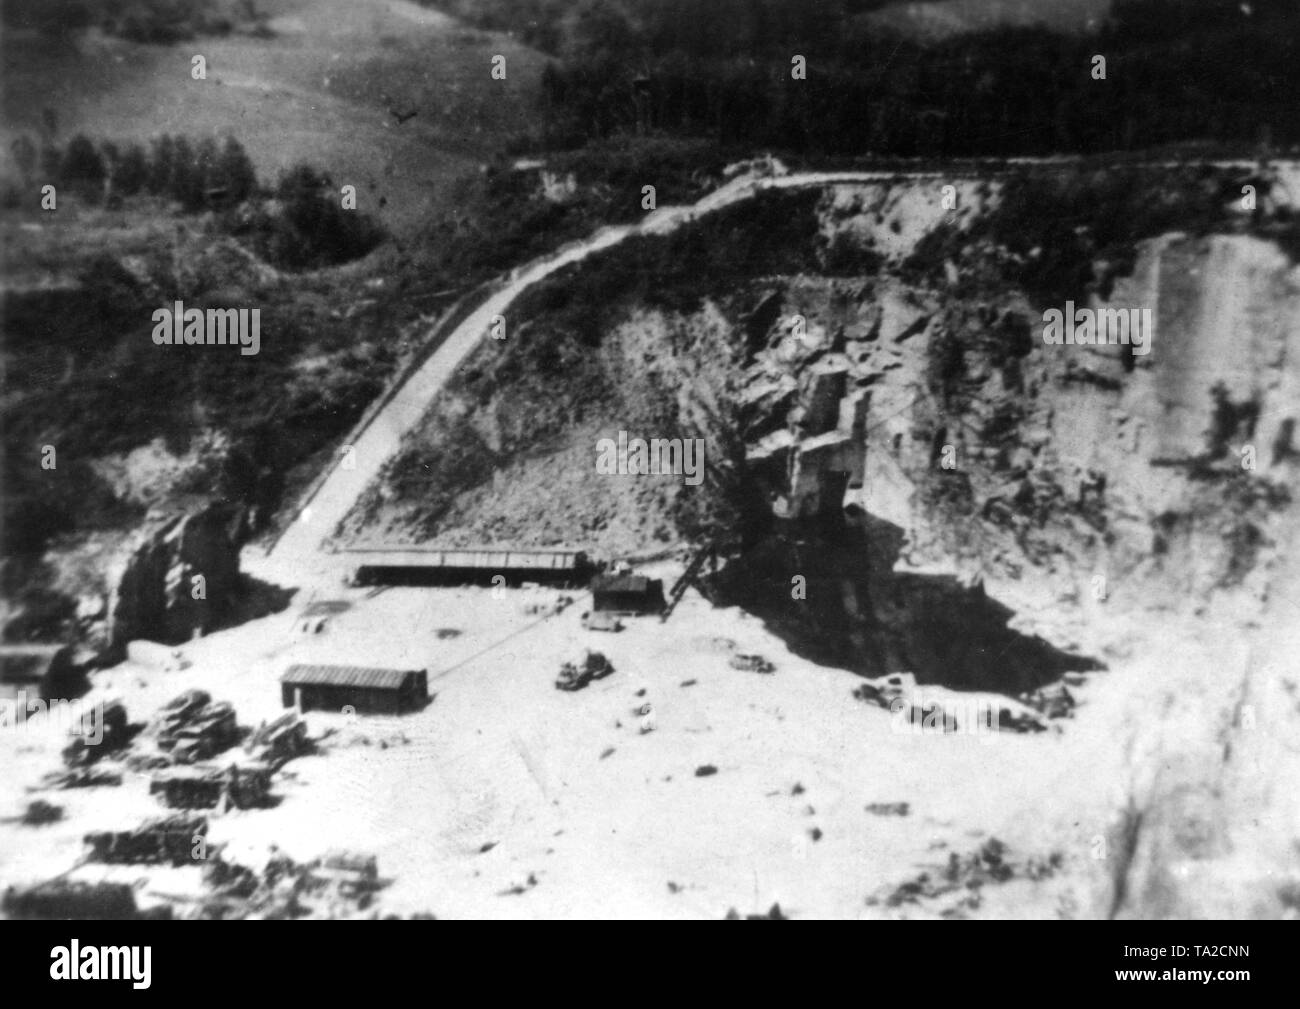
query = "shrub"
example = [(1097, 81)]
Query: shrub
[(310, 229), (82, 167)]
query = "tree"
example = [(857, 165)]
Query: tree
[(311, 229), (51, 162), (160, 166), (185, 183), (131, 173), (82, 167), (24, 152), (208, 187), (236, 170)]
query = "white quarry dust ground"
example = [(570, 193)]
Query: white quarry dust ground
[(503, 759)]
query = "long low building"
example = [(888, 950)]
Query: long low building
[(43, 672), (416, 565), (363, 689)]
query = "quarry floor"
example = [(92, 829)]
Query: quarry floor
[(508, 798)]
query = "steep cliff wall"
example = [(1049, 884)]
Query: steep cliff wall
[(179, 577)]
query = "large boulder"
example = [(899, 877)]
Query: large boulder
[(180, 575)]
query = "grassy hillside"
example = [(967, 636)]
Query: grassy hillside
[(942, 18), (317, 85)]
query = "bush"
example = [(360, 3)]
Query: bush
[(310, 229), (131, 173), (82, 168)]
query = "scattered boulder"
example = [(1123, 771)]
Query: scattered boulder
[(75, 900), (85, 777), (39, 813), (751, 663), (1052, 701), (338, 884), (194, 727), (103, 730), (352, 876), (169, 841), (962, 877), (934, 707), (278, 742), (208, 787)]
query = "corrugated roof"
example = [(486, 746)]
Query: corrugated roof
[(483, 559), (346, 676)]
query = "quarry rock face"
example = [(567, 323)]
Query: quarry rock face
[(180, 575), (1044, 467), (1109, 500)]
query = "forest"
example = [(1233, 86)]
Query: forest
[(1175, 72)]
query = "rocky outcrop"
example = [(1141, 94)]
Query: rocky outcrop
[(180, 577), (1138, 508)]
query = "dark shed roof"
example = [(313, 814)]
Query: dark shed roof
[(326, 608), (638, 584), (490, 559), (347, 676), (28, 663)]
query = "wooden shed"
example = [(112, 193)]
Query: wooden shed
[(366, 690), (627, 593), (44, 672)]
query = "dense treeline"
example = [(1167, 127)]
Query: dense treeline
[(305, 227), (206, 174), (1175, 71)]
